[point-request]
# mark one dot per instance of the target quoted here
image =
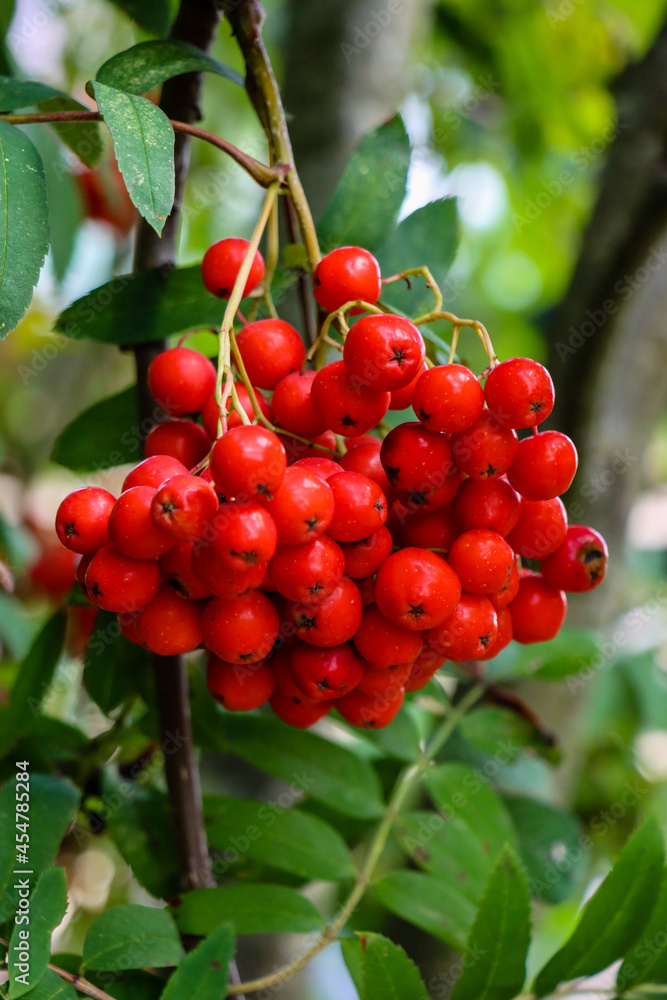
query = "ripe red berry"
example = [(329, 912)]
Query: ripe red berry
[(308, 573), (222, 263), (293, 406), (331, 622), (365, 458), (418, 463), (242, 535), (154, 471), (470, 630), (422, 670), (501, 598), (401, 399), (323, 467), (182, 439), (131, 528), (240, 630), (322, 446), (486, 503), (116, 582), (432, 529), (177, 573), (181, 380), (580, 563), (537, 611), (519, 393), (540, 529), (182, 506), (297, 712), (387, 681), (504, 636), (364, 558), (324, 674), (82, 519), (216, 575), (482, 560), (384, 351), (360, 507), (248, 462), (544, 466), (345, 274), (370, 711), (416, 589), (448, 398), (345, 404), (383, 643), (302, 508), (239, 688), (170, 625), (270, 349), (211, 411), (486, 449)]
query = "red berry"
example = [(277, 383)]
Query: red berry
[(170, 625), (82, 519), (177, 573), (486, 449), (293, 406), (544, 466), (222, 263), (383, 643), (54, 570), (364, 558), (240, 630), (501, 598), (324, 674), (81, 570), (116, 582), (296, 712), (482, 560), (422, 670), (181, 439), (370, 711), (486, 503), (448, 398), (308, 573), (322, 446), (182, 506), (154, 471), (401, 399), (239, 687), (504, 636), (281, 668), (242, 535), (384, 351), (519, 393), (131, 528), (181, 380), (537, 611), (216, 576), (360, 507), (211, 411), (418, 463), (416, 589), (345, 404), (323, 467), (387, 681), (270, 349), (346, 274), (540, 529), (302, 508), (469, 631), (248, 462), (432, 529), (580, 563), (365, 458), (331, 622)]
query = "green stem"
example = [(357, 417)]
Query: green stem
[(405, 784)]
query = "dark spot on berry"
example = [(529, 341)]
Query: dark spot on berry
[(95, 590), (70, 530), (392, 474), (316, 587), (378, 505), (244, 657), (249, 558), (490, 471), (593, 555), (316, 281), (312, 523), (302, 621), (398, 355), (424, 416), (416, 611), (168, 507), (347, 421), (416, 499), (177, 586), (264, 491), (324, 685), (223, 293), (536, 406), (485, 639)]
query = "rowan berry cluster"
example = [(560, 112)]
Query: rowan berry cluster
[(319, 559)]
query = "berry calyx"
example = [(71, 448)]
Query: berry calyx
[(384, 351)]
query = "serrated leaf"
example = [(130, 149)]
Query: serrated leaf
[(282, 838), (495, 962), (549, 846), (152, 15), (614, 917), (364, 207), (148, 64), (646, 962), (53, 803), (323, 771), (203, 974), (112, 663), (135, 308), (430, 236), (106, 434), (143, 141), (132, 937), (252, 909), (437, 906), (24, 224), (48, 903), (381, 969), (52, 987)]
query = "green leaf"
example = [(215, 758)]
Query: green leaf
[(400, 739), (152, 15), (134, 308), (646, 962), (132, 937), (549, 841), (48, 903), (311, 764), (252, 909), (129, 985), (32, 684), (108, 433), (143, 141), (139, 822), (83, 138), (53, 803), (428, 236), (64, 198), (52, 987), (280, 837), (112, 663), (570, 652), (49, 742), (364, 207), (17, 94), (438, 907), (491, 727), (15, 631), (614, 916), (24, 224), (381, 969), (203, 974), (148, 64), (495, 966)]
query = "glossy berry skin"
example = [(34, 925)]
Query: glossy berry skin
[(346, 405), (486, 503), (323, 467), (345, 274), (324, 674), (544, 466), (323, 446), (370, 711), (154, 471), (384, 351), (302, 508), (296, 712), (222, 263), (181, 380), (501, 598), (170, 625), (182, 506), (422, 670), (240, 630), (331, 622), (579, 564), (364, 558), (242, 535), (239, 688), (415, 588), (401, 399), (270, 349), (448, 398), (248, 462), (281, 668), (115, 582), (482, 560), (383, 643), (540, 529), (504, 636), (216, 576), (486, 449), (365, 458), (468, 632), (177, 573), (293, 406), (132, 531), (82, 519), (308, 573), (431, 529), (519, 393), (360, 507), (418, 464), (537, 611), (387, 681), (182, 439), (81, 570), (211, 411)]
